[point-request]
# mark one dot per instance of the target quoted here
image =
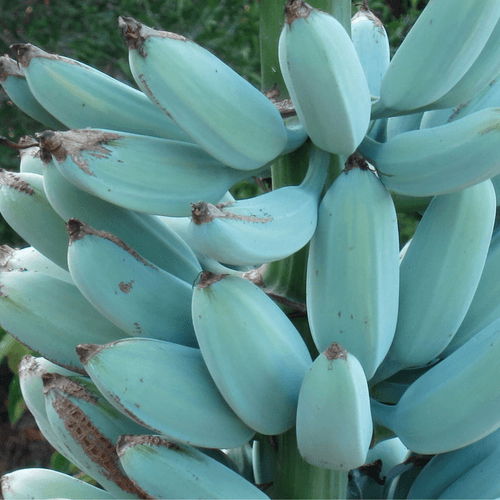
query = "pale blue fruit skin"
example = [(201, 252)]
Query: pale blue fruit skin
[(255, 355)]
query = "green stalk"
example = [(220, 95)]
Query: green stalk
[(295, 478)]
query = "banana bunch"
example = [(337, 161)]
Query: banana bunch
[(188, 344)]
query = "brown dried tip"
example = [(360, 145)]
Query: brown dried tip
[(26, 51), (86, 351), (295, 9), (76, 229), (201, 213), (6, 253), (207, 279), (335, 351), (9, 67), (131, 31), (356, 161)]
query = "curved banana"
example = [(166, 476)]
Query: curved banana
[(237, 326), (89, 428), (138, 297), (45, 484), (236, 124), (390, 452), (63, 85), (446, 468), (334, 425), (410, 82), (334, 104), (186, 406), (148, 235), (233, 233), (13, 81), (51, 316), (438, 281), (439, 160), (25, 208), (30, 259), (454, 404), (30, 371), (398, 124), (170, 470), (484, 308), (352, 298), (371, 42), (141, 173)]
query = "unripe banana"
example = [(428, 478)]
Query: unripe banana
[(440, 160), (138, 297), (371, 42), (454, 404), (63, 85), (226, 115), (13, 81), (253, 352), (439, 275), (170, 470), (138, 172), (233, 232), (45, 484), (334, 425), (353, 268), (410, 82), (325, 78), (186, 407)]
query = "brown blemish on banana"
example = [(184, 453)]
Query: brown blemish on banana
[(60, 145), (6, 253), (295, 9), (364, 10), (100, 449), (335, 351), (207, 279), (77, 230), (126, 441), (67, 386), (9, 67), (203, 213), (356, 161), (125, 287), (26, 51), (15, 182)]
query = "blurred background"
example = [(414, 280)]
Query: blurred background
[(87, 30)]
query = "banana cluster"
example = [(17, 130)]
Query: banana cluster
[(167, 367)]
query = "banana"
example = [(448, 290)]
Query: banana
[(441, 159), (148, 235), (296, 134), (446, 468), (185, 407), (484, 308), (334, 106), (352, 298), (50, 316), (242, 459), (398, 124), (44, 484), (334, 425), (30, 372), (454, 404), (264, 458), (438, 281), (62, 85), (170, 470), (410, 82), (233, 232), (25, 208), (13, 81), (30, 259), (140, 298), (141, 173), (237, 326), (371, 42), (89, 428), (236, 123)]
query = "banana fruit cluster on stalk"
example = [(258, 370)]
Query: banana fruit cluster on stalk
[(165, 367)]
